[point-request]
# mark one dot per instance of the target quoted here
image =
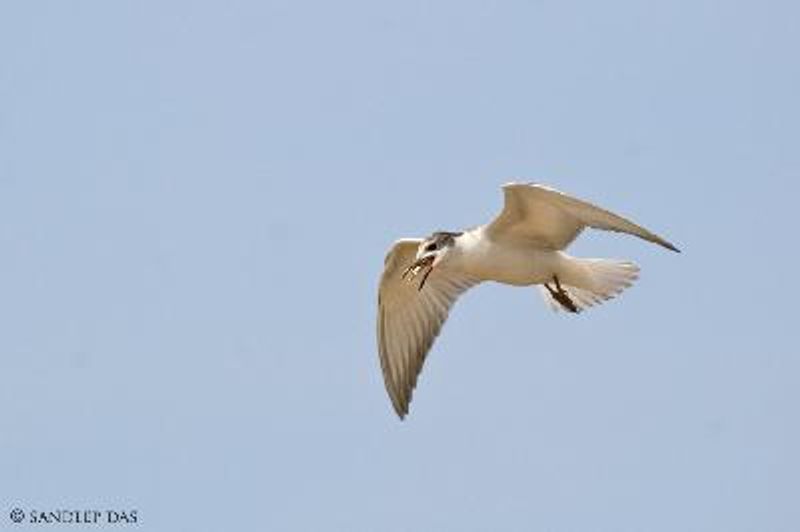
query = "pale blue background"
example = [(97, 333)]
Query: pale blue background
[(195, 203)]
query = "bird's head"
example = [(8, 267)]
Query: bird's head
[(435, 247), (430, 253)]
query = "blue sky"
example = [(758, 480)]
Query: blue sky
[(195, 203)]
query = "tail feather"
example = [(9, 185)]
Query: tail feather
[(602, 279)]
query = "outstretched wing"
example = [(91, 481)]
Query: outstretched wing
[(410, 319), (552, 219)]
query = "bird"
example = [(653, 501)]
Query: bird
[(523, 246)]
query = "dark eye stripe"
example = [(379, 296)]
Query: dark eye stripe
[(430, 247)]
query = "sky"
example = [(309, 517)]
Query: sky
[(196, 199)]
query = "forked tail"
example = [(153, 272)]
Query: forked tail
[(598, 279)]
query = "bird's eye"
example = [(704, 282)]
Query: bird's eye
[(430, 247)]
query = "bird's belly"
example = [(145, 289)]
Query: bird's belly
[(520, 267)]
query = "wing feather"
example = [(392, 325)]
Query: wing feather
[(549, 218), (409, 320)]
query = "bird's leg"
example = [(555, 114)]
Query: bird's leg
[(561, 295), (558, 285)]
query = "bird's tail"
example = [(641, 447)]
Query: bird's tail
[(598, 279)]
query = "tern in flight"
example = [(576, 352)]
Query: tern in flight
[(523, 246)]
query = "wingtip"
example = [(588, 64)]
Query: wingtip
[(400, 409), (671, 247)]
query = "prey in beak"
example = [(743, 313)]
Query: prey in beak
[(424, 263)]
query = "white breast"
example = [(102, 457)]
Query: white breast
[(515, 264)]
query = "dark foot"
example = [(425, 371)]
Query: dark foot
[(560, 295)]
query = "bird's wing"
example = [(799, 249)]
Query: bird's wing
[(552, 219), (410, 319)]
